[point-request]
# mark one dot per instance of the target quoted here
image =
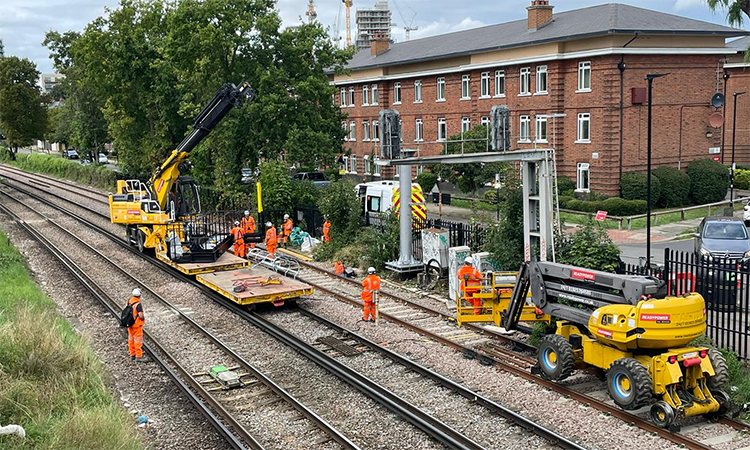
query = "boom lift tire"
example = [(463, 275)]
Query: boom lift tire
[(662, 414), (629, 384), (721, 377), (555, 357)]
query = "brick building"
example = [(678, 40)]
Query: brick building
[(737, 73), (573, 80)]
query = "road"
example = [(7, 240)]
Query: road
[(631, 252)]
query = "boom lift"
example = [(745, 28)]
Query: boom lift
[(616, 323), (167, 206)]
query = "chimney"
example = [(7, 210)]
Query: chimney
[(378, 44), (539, 14)]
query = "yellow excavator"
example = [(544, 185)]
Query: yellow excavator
[(164, 212), (626, 326)]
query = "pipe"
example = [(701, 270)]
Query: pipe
[(13, 429)]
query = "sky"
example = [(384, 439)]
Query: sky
[(23, 23)]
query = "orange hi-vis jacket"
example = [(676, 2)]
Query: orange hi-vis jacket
[(248, 224), (470, 279), (271, 236), (239, 235), (288, 225), (370, 284), (338, 268), (326, 231), (136, 302)]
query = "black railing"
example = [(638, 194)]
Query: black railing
[(470, 235)]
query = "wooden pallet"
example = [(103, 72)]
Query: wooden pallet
[(224, 283)]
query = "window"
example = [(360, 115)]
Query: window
[(541, 79), (418, 91), (524, 129), (352, 131), (418, 131), (484, 89), (465, 87), (374, 94), (343, 126), (366, 130), (396, 93), (525, 81), (353, 164), (499, 83), (582, 177), (465, 124), (441, 89), (375, 130), (365, 96), (584, 128), (351, 97), (343, 97), (584, 76), (485, 121), (541, 129), (442, 129), (368, 164), (376, 167), (344, 167)]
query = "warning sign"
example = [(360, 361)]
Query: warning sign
[(601, 215)]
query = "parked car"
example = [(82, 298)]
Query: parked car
[(70, 153), (722, 238), (746, 214), (103, 159), (318, 178), (247, 175)]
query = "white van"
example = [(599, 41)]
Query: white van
[(378, 197)]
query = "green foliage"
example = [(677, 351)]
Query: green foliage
[(277, 186), (426, 180), (742, 179), (739, 378), (505, 240), (23, 115), (304, 193), (491, 196), (332, 174), (340, 204), (590, 247), (469, 177), (614, 206), (566, 186), (709, 181), (633, 186), (380, 244), (97, 176), (51, 383), (675, 187), (540, 330)]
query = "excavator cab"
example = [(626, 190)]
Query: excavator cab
[(184, 199)]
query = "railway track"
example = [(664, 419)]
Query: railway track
[(257, 386), (410, 317)]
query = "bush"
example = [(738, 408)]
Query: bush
[(675, 187), (340, 204), (505, 240), (427, 180), (742, 179), (614, 206), (566, 186), (332, 174), (589, 247), (278, 189), (709, 181), (491, 196), (563, 200), (633, 186)]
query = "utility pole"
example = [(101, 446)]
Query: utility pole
[(731, 171), (650, 77)]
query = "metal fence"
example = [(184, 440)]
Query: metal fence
[(724, 285), (470, 235)]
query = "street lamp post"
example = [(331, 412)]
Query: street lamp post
[(731, 171), (650, 78)]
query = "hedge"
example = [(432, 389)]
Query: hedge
[(614, 206), (633, 186), (675, 187), (742, 179), (709, 181), (93, 175), (426, 180)]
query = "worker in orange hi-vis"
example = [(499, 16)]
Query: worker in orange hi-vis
[(338, 268), (287, 228), (370, 289), (135, 331), (248, 225), (327, 231), (471, 283), (240, 248), (271, 239)]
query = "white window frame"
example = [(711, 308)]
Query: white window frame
[(539, 125), (499, 82), (583, 68), (345, 164), (376, 167), (397, 93), (440, 89), (466, 87), (365, 96), (465, 124), (580, 138), (345, 127), (583, 173), (484, 85), (375, 131), (418, 130), (374, 94), (353, 131), (368, 164), (343, 98), (365, 130), (351, 97), (353, 164), (524, 129), (541, 74), (417, 91), (524, 81), (442, 129), (485, 121)]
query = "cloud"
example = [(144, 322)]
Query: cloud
[(442, 26), (681, 5)]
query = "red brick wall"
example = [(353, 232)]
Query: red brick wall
[(681, 111), (739, 81)]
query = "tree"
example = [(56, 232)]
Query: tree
[(340, 204), (505, 240), (23, 114), (736, 10), (469, 177), (589, 247), (277, 186)]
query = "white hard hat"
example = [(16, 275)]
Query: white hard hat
[(247, 213), (236, 222), (370, 270), (136, 292), (469, 260), (269, 224), (286, 216)]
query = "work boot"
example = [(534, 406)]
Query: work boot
[(142, 359), (132, 357)]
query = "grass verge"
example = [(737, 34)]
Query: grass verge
[(51, 383), (478, 204), (97, 176)]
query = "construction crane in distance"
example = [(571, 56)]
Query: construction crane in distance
[(348, 4), (310, 13), (410, 24)]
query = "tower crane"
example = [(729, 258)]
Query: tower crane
[(348, 4), (310, 13)]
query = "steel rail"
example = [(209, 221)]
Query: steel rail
[(319, 422), (153, 349), (59, 186), (51, 178)]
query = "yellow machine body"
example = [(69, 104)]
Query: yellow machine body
[(496, 292)]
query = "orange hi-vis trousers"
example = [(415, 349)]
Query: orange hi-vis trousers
[(135, 340)]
